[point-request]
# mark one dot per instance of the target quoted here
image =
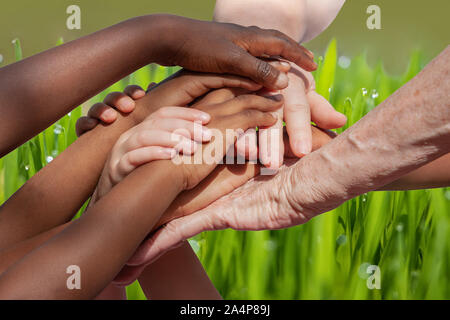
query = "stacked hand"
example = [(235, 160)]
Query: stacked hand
[(233, 49), (302, 104), (195, 211), (223, 179)]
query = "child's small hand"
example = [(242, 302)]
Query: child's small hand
[(106, 111), (158, 137), (229, 119)]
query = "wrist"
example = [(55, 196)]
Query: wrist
[(153, 33), (144, 107), (167, 32)]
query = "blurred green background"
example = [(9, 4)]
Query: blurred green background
[(406, 25)]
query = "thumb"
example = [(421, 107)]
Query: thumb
[(323, 113)]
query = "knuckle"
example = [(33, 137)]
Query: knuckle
[(245, 99), (248, 114), (298, 107), (97, 106), (121, 140), (111, 168), (263, 69), (130, 160)]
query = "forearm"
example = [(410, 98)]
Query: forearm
[(178, 275), (287, 16), (55, 193), (59, 189), (372, 154), (40, 89), (11, 255), (103, 238)]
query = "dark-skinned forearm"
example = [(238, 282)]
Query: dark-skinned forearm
[(11, 255), (54, 194), (106, 235), (41, 89)]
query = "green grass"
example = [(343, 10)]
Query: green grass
[(407, 234)]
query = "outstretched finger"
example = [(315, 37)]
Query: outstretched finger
[(276, 43), (189, 114), (297, 116), (244, 61), (323, 113)]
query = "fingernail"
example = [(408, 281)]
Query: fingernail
[(282, 81), (109, 114), (127, 105), (344, 117), (206, 134)]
